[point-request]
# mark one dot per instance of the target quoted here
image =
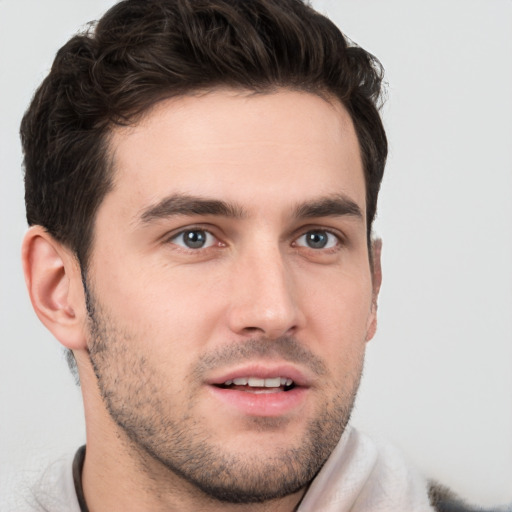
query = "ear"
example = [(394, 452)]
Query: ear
[(376, 268), (52, 275)]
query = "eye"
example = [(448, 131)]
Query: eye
[(318, 239), (194, 239)]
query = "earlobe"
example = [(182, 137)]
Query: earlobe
[(52, 275), (376, 283)]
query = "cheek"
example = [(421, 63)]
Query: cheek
[(339, 306), (171, 313)]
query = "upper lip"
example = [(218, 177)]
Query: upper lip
[(262, 371)]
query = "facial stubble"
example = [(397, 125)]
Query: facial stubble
[(135, 398)]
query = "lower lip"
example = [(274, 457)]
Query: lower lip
[(269, 405)]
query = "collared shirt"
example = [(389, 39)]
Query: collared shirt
[(359, 476)]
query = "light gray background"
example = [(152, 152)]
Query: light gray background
[(438, 374)]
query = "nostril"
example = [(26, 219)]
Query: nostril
[(253, 330)]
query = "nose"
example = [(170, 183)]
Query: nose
[(263, 299)]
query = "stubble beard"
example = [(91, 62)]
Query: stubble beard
[(134, 397)]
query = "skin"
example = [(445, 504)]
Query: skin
[(166, 320)]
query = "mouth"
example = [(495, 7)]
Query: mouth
[(261, 390), (259, 385)]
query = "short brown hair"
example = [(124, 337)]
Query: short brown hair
[(143, 51)]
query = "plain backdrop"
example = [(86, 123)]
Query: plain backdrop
[(438, 374)]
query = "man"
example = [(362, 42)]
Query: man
[(201, 181)]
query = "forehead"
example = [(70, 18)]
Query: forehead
[(245, 147)]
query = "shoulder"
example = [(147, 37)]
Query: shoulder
[(444, 499), (53, 489)]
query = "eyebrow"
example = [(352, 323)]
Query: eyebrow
[(183, 204), (332, 206)]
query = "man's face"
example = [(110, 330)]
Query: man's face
[(230, 288)]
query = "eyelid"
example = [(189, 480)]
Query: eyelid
[(338, 240), (211, 230), (169, 237), (171, 233), (318, 227)]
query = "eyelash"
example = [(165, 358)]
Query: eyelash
[(191, 229), (339, 239)]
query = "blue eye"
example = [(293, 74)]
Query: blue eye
[(194, 239), (318, 239)]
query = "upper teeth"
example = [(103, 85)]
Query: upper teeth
[(273, 382)]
